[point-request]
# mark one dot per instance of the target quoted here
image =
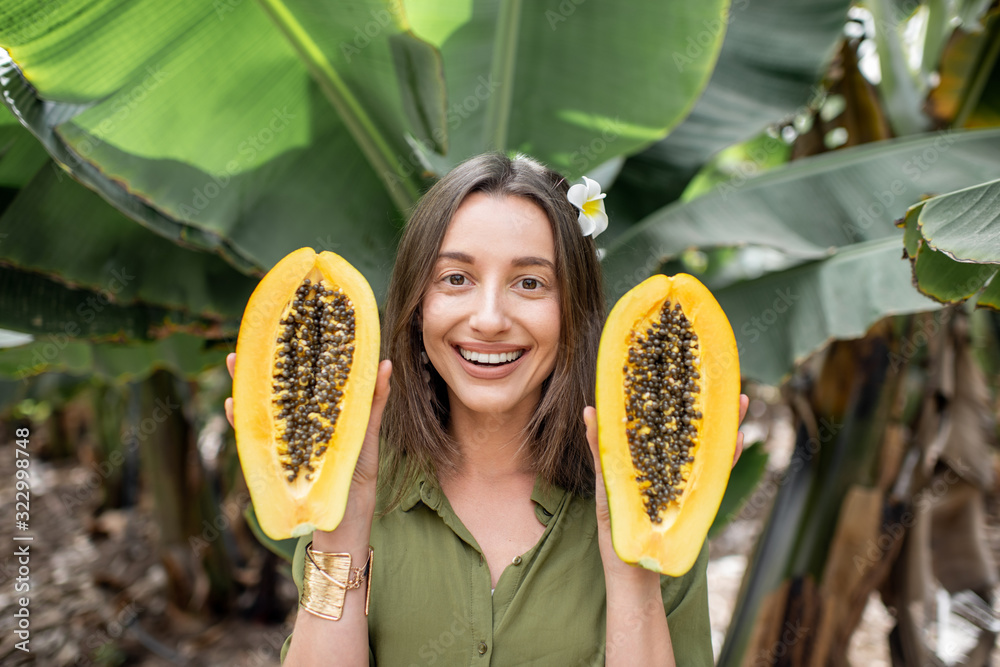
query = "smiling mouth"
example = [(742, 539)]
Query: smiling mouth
[(487, 359)]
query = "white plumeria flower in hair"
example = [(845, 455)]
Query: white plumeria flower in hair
[(589, 199)]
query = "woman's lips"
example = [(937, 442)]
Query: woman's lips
[(488, 372)]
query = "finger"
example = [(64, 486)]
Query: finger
[(590, 419), (231, 363), (380, 398), (600, 491), (744, 404), (739, 448), (229, 411)]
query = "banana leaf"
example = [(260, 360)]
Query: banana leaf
[(105, 252), (182, 354), (953, 242), (772, 59)]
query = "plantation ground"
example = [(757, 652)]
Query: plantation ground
[(99, 593)]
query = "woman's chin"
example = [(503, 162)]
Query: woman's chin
[(494, 403)]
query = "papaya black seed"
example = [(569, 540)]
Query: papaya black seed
[(305, 369), (659, 375)]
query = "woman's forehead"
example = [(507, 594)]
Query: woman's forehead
[(487, 227)]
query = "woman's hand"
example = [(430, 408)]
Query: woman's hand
[(744, 404), (603, 514), (601, 495), (366, 471), (637, 628)]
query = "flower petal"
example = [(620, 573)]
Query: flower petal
[(593, 188), (577, 195), (586, 224), (600, 221)]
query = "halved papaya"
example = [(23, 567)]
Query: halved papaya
[(668, 391), (306, 361)]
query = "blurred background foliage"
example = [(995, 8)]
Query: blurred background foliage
[(157, 157)]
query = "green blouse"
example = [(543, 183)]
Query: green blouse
[(431, 601)]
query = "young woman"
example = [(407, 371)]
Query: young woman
[(490, 537)]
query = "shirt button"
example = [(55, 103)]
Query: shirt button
[(517, 560), (482, 648)]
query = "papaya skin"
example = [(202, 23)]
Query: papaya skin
[(670, 547), (298, 508)]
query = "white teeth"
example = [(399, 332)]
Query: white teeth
[(486, 358)]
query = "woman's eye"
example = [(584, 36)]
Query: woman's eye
[(456, 279), (529, 283)]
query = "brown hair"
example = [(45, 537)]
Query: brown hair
[(414, 425)]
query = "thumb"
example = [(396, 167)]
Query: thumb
[(600, 491), (380, 398), (590, 419), (366, 468)]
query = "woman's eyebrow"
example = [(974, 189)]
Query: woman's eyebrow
[(518, 262), (457, 256), (533, 261)]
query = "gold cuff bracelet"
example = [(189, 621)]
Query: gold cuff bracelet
[(326, 579)]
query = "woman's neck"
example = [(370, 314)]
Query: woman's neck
[(491, 445)]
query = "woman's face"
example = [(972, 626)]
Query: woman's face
[(491, 312)]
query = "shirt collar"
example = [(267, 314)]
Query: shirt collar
[(412, 496), (545, 495)]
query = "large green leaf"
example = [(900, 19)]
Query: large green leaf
[(945, 280), (810, 207), (773, 56), (182, 354), (21, 156), (783, 317), (953, 242), (106, 252), (965, 224), (565, 81), (108, 262), (902, 89), (35, 304), (382, 80), (202, 124)]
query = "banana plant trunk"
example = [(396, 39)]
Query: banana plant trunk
[(880, 497), (193, 528), (802, 591)]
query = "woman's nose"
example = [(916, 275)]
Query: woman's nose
[(489, 316)]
